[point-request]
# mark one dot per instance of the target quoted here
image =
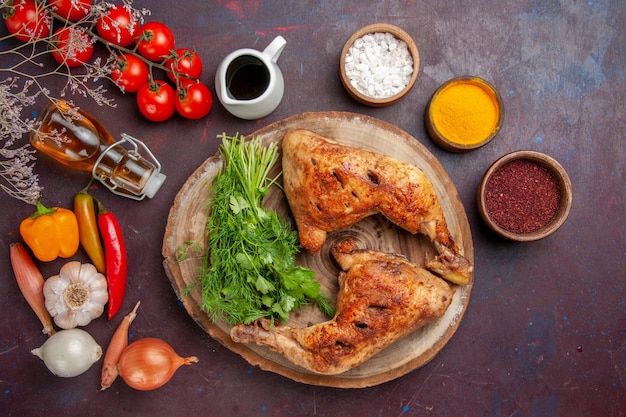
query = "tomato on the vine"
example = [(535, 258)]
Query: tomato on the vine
[(72, 46), (154, 41), (183, 62), (72, 10), (28, 20), (156, 100), (129, 73), (118, 26), (193, 99)]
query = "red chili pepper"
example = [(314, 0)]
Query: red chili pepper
[(116, 258)]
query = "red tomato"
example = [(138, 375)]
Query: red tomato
[(129, 73), (27, 20), (72, 46), (193, 100), (156, 100), (155, 41), (118, 26), (72, 10), (185, 62)]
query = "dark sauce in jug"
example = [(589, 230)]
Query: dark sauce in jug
[(247, 78)]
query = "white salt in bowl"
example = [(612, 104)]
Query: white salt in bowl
[(389, 89)]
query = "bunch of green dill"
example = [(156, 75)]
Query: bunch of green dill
[(249, 270)]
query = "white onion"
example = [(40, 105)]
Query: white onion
[(69, 353)]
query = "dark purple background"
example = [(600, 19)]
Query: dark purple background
[(544, 331)]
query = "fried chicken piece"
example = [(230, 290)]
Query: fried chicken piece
[(382, 297), (331, 186)]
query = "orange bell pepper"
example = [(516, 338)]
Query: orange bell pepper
[(51, 233)]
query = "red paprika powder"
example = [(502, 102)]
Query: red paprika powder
[(522, 196)]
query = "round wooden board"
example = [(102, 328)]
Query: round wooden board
[(185, 233)]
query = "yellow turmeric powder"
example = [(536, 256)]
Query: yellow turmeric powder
[(465, 112)]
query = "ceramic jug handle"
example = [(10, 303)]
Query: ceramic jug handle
[(274, 49)]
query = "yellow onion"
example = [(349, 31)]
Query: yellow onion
[(149, 363)]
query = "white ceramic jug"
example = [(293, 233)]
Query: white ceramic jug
[(249, 83)]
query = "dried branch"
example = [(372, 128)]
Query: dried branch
[(24, 80)]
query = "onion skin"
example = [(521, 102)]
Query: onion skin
[(118, 343), (31, 282), (149, 363)]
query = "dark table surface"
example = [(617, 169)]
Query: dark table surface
[(544, 332)]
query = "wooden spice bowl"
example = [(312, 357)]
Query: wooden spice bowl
[(490, 98), (563, 206), (379, 28)]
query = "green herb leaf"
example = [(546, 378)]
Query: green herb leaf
[(249, 271), (238, 203), (262, 285)]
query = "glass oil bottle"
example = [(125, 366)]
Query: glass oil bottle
[(78, 140)]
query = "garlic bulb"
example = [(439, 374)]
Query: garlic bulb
[(69, 353), (76, 296)]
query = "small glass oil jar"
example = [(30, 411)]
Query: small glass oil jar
[(78, 140)]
